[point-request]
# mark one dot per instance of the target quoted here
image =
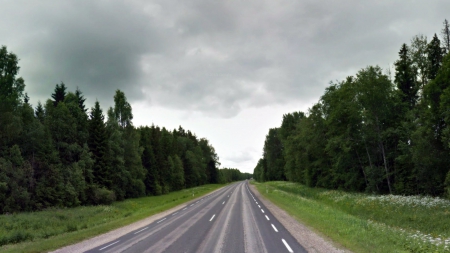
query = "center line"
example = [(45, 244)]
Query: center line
[(161, 220), (274, 228), (223, 203), (267, 218), (174, 213), (108, 245), (262, 210), (141, 230), (212, 217), (287, 246)]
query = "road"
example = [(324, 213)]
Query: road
[(229, 220)]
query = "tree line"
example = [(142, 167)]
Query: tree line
[(371, 132), (60, 154)]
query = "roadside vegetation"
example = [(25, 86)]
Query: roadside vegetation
[(366, 223), (54, 228)]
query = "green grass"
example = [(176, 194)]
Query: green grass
[(54, 228), (367, 223)]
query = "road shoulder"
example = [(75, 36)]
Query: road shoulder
[(310, 240)]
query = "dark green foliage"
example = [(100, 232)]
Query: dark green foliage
[(58, 156), (228, 175), (369, 134)]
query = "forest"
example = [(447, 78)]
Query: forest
[(62, 154), (372, 132)]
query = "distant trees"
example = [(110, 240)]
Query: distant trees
[(58, 154), (367, 133)]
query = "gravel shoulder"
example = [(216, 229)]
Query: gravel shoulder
[(310, 240), (114, 234)]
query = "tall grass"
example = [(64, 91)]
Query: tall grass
[(54, 228), (367, 223)]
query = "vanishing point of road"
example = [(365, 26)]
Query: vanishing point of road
[(231, 219)]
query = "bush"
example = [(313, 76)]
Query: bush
[(103, 196)]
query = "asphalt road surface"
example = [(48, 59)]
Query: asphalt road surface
[(229, 220)]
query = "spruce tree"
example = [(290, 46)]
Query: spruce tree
[(434, 52), (405, 77), (59, 94)]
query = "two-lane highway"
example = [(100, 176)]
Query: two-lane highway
[(229, 220)]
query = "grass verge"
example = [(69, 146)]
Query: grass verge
[(367, 223), (54, 228)]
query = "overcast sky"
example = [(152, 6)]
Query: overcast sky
[(226, 70)]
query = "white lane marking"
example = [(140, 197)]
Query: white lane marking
[(287, 245), (274, 228), (259, 206), (196, 202), (184, 209), (109, 245), (256, 202), (228, 196), (161, 220), (212, 217), (192, 204), (267, 218), (141, 230), (223, 203), (174, 213), (262, 210)]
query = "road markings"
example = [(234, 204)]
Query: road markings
[(262, 210), (259, 206), (184, 208), (174, 214), (223, 203), (287, 246), (212, 217), (140, 230), (228, 196), (161, 220), (267, 218), (109, 245), (256, 202), (192, 204), (274, 228), (196, 202)]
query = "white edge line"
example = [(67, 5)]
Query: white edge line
[(223, 203), (259, 206), (212, 217), (262, 210), (267, 218), (184, 208), (109, 245), (140, 230), (161, 220), (174, 213), (274, 228), (287, 245)]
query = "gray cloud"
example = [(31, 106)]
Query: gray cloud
[(216, 58)]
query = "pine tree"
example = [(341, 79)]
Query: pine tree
[(434, 52), (98, 145), (405, 77), (59, 94), (446, 36)]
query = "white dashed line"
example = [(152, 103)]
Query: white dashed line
[(192, 204), (109, 245), (140, 230), (256, 202), (174, 214), (196, 202), (262, 210), (212, 217), (267, 218), (259, 206), (161, 220), (287, 246), (228, 196), (184, 208), (274, 228), (223, 203)]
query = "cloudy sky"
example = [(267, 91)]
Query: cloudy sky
[(226, 70)]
